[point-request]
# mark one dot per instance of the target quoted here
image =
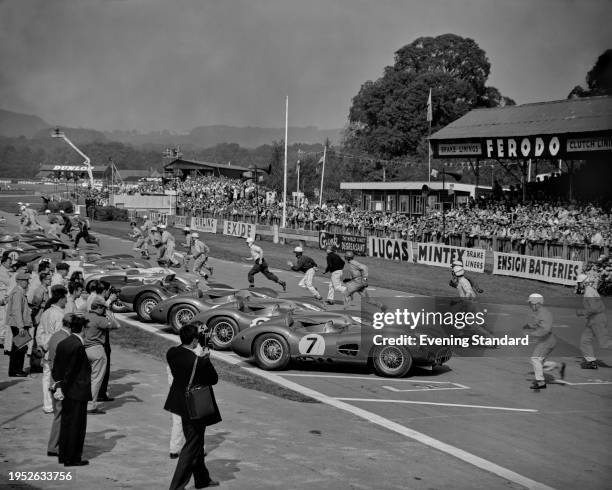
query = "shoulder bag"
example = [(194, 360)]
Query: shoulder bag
[(198, 398)]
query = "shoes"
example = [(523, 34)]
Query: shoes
[(284, 286), (330, 302), (174, 455), (251, 285), (96, 411), (562, 371), (7, 352), (588, 365), (48, 411), (83, 462), (538, 385), (105, 399), (211, 483), (52, 455), (20, 374)]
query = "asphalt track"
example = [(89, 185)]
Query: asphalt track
[(478, 409)]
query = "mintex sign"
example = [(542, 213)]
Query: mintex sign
[(444, 255)]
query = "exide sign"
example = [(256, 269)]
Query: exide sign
[(528, 147)]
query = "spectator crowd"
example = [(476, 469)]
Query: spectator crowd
[(555, 222)]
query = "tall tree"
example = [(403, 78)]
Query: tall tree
[(387, 118), (598, 79)]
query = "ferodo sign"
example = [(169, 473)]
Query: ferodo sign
[(390, 249), (443, 256), (528, 147), (239, 229), (558, 271), (207, 225)]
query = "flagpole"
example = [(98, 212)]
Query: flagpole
[(323, 174), (429, 118), (283, 223)]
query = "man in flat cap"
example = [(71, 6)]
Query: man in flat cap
[(19, 319)]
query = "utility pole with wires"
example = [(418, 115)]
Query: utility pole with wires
[(429, 119), (284, 221)]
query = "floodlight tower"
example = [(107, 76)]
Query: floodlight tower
[(60, 134)]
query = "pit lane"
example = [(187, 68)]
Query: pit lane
[(479, 409)]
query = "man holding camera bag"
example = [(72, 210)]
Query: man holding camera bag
[(192, 372)]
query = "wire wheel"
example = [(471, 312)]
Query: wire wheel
[(271, 350), (392, 361), (223, 331)]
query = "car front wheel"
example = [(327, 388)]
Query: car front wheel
[(223, 330), (392, 361), (181, 316), (145, 304), (271, 352)]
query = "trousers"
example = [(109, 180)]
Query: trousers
[(73, 427), (191, 458), (54, 436), (97, 360), (46, 384), (596, 326), (306, 282), (335, 284), (262, 267), (538, 359)]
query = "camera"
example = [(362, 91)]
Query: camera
[(204, 335), (114, 290)]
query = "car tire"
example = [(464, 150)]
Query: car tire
[(271, 352), (145, 304), (223, 330), (392, 361), (119, 307), (181, 315)]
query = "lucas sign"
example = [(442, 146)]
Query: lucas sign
[(558, 271), (239, 229), (390, 249), (443, 256)]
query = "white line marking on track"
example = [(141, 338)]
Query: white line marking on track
[(413, 402), (372, 418), (428, 388), (563, 382), (376, 378)]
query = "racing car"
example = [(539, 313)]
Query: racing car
[(225, 321), (179, 310), (40, 240), (273, 344), (25, 252)]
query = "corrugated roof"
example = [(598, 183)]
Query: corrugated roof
[(207, 164), (584, 115)]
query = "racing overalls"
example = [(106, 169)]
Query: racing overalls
[(540, 327), (199, 250), (308, 266)]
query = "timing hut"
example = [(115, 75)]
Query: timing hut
[(183, 168), (409, 197)]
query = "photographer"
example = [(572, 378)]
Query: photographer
[(102, 290), (183, 361), (96, 338)]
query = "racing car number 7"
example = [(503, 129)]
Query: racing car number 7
[(312, 344)]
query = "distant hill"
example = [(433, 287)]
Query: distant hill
[(209, 136), (14, 124)]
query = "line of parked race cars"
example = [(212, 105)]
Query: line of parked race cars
[(253, 322)]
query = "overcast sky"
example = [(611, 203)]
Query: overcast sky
[(176, 64)]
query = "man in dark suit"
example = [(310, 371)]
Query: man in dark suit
[(181, 360), (72, 375)]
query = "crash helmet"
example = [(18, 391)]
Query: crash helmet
[(161, 226), (145, 217), (458, 271), (195, 235), (457, 263), (298, 250), (47, 211), (77, 213), (535, 298), (250, 241), (349, 255)]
